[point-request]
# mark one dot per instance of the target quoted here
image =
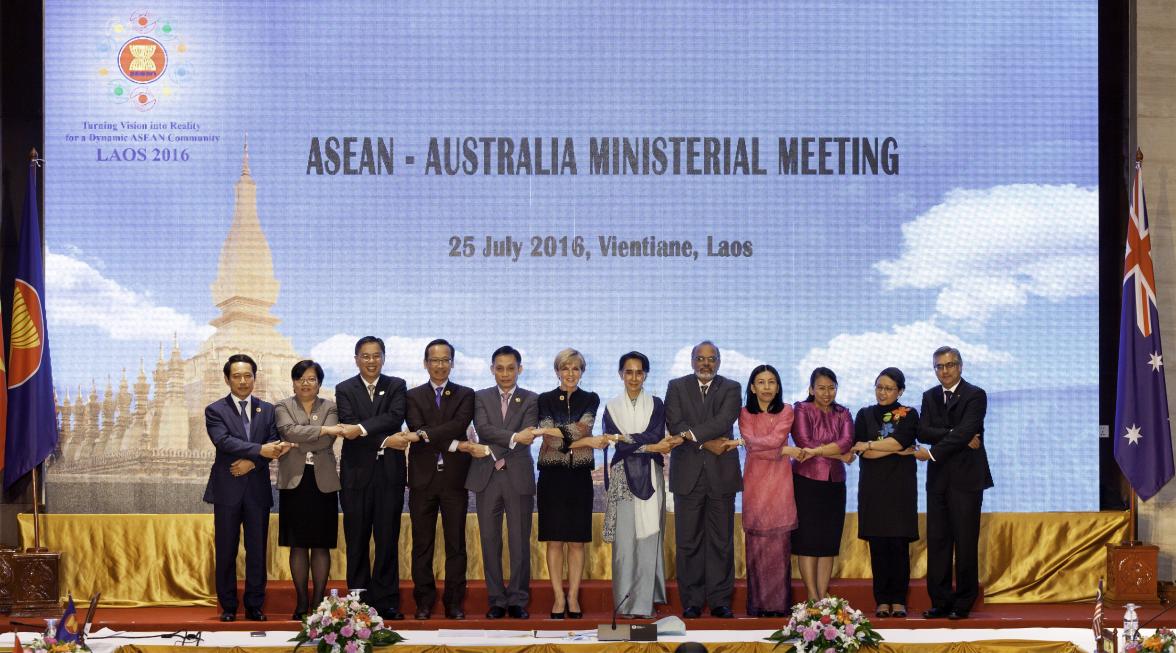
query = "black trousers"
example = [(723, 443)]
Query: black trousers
[(705, 547), (370, 511), (953, 531), (423, 505), (227, 523), (890, 560)]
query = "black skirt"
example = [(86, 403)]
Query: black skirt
[(308, 518), (564, 499), (820, 516)]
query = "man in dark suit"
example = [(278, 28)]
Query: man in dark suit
[(439, 412), (704, 477), (505, 417), (952, 422), (242, 429), (372, 473)]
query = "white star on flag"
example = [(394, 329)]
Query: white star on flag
[(1133, 434), (1156, 362)]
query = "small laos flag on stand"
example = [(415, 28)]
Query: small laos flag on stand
[(1142, 438)]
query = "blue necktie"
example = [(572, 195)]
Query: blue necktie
[(245, 416), (439, 391)]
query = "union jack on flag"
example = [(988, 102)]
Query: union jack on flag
[(1142, 438)]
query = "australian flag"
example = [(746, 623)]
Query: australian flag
[(32, 413), (1143, 441)]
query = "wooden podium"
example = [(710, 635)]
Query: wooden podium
[(1131, 573)]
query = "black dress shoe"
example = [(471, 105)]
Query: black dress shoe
[(559, 615), (254, 615), (229, 615), (934, 613), (517, 612), (956, 615), (496, 612), (900, 613), (691, 613), (454, 613), (575, 615), (298, 616), (392, 614), (722, 612), (422, 614), (880, 613)]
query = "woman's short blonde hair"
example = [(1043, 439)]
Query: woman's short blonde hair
[(568, 355)]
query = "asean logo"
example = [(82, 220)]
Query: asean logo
[(150, 54), (28, 328), (142, 60)]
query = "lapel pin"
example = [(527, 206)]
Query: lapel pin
[(314, 418), (381, 393), (518, 400), (257, 410), (561, 397), (446, 393)]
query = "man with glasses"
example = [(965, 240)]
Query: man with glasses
[(704, 477), (372, 472), (439, 412), (952, 423)]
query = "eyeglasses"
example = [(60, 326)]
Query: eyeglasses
[(939, 367), (367, 358), (311, 381), (438, 361), (886, 388), (706, 359)]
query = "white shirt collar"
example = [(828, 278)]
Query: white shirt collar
[(237, 401), (952, 388), (438, 387)]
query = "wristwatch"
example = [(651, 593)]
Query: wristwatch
[(422, 435)]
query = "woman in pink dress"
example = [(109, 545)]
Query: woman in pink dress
[(769, 513), (823, 429)]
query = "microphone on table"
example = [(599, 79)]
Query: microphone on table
[(625, 632)]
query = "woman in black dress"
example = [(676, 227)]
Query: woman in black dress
[(564, 490), (884, 435)]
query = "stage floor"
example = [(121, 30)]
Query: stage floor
[(991, 616)]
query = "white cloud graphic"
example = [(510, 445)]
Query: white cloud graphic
[(77, 294), (857, 359), (992, 249), (404, 358)]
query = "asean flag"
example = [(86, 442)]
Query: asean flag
[(32, 416)]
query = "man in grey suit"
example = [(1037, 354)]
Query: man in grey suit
[(505, 417), (704, 477)]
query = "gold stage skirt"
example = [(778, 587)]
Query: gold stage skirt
[(162, 560)]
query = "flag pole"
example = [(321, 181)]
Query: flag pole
[(33, 158), (36, 512), (1133, 526)]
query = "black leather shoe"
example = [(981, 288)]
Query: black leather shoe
[(517, 612), (899, 612), (691, 613), (722, 612), (956, 615), (228, 615), (559, 615), (392, 614), (454, 613), (575, 615), (422, 614), (298, 616), (254, 615), (496, 612), (934, 613)]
